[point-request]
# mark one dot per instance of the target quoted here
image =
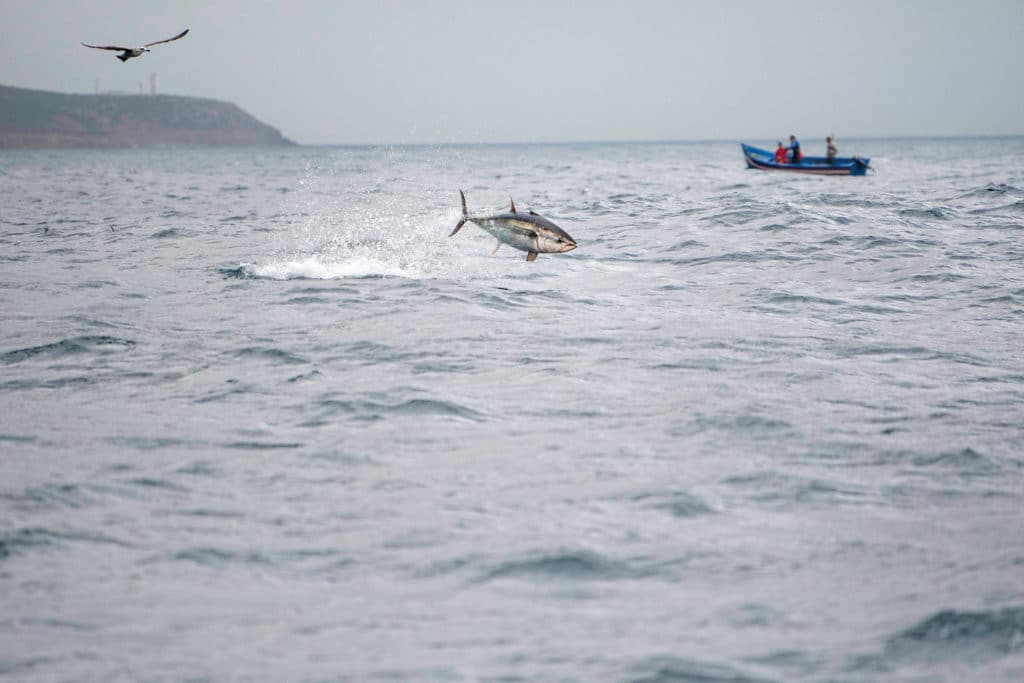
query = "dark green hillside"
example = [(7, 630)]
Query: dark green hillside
[(36, 118)]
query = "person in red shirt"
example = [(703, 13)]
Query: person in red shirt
[(780, 153)]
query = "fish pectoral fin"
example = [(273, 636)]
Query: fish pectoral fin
[(496, 248), (530, 256)]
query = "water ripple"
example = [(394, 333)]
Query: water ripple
[(69, 346)]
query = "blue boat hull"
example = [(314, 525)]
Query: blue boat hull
[(764, 160)]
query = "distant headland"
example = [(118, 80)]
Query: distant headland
[(41, 119)]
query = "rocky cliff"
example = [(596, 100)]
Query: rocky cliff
[(36, 118)]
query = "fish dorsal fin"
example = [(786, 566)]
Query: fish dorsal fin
[(513, 209), (533, 213)]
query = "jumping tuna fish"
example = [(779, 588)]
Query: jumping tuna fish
[(528, 232)]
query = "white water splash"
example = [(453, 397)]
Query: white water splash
[(316, 267), (366, 224)]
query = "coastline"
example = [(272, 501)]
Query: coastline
[(39, 119)]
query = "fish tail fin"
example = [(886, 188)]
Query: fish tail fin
[(465, 215), (458, 226)]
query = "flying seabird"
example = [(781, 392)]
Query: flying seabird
[(129, 52)]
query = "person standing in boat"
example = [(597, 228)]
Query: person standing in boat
[(830, 150), (780, 153), (794, 148)]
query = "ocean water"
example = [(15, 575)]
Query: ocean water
[(261, 419)]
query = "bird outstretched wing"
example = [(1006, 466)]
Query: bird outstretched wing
[(107, 47), (167, 40)]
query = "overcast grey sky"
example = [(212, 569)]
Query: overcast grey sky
[(394, 71)]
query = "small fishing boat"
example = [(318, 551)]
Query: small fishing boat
[(764, 160)]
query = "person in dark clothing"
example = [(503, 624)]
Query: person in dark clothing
[(794, 148)]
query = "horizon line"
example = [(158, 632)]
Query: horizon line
[(654, 141)]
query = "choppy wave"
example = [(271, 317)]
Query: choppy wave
[(755, 428), (668, 669), (69, 346), (327, 410), (996, 632), (677, 503), (566, 566), (981, 645), (34, 538)]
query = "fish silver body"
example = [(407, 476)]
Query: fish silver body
[(529, 232)]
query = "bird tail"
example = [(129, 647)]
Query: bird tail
[(465, 215)]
